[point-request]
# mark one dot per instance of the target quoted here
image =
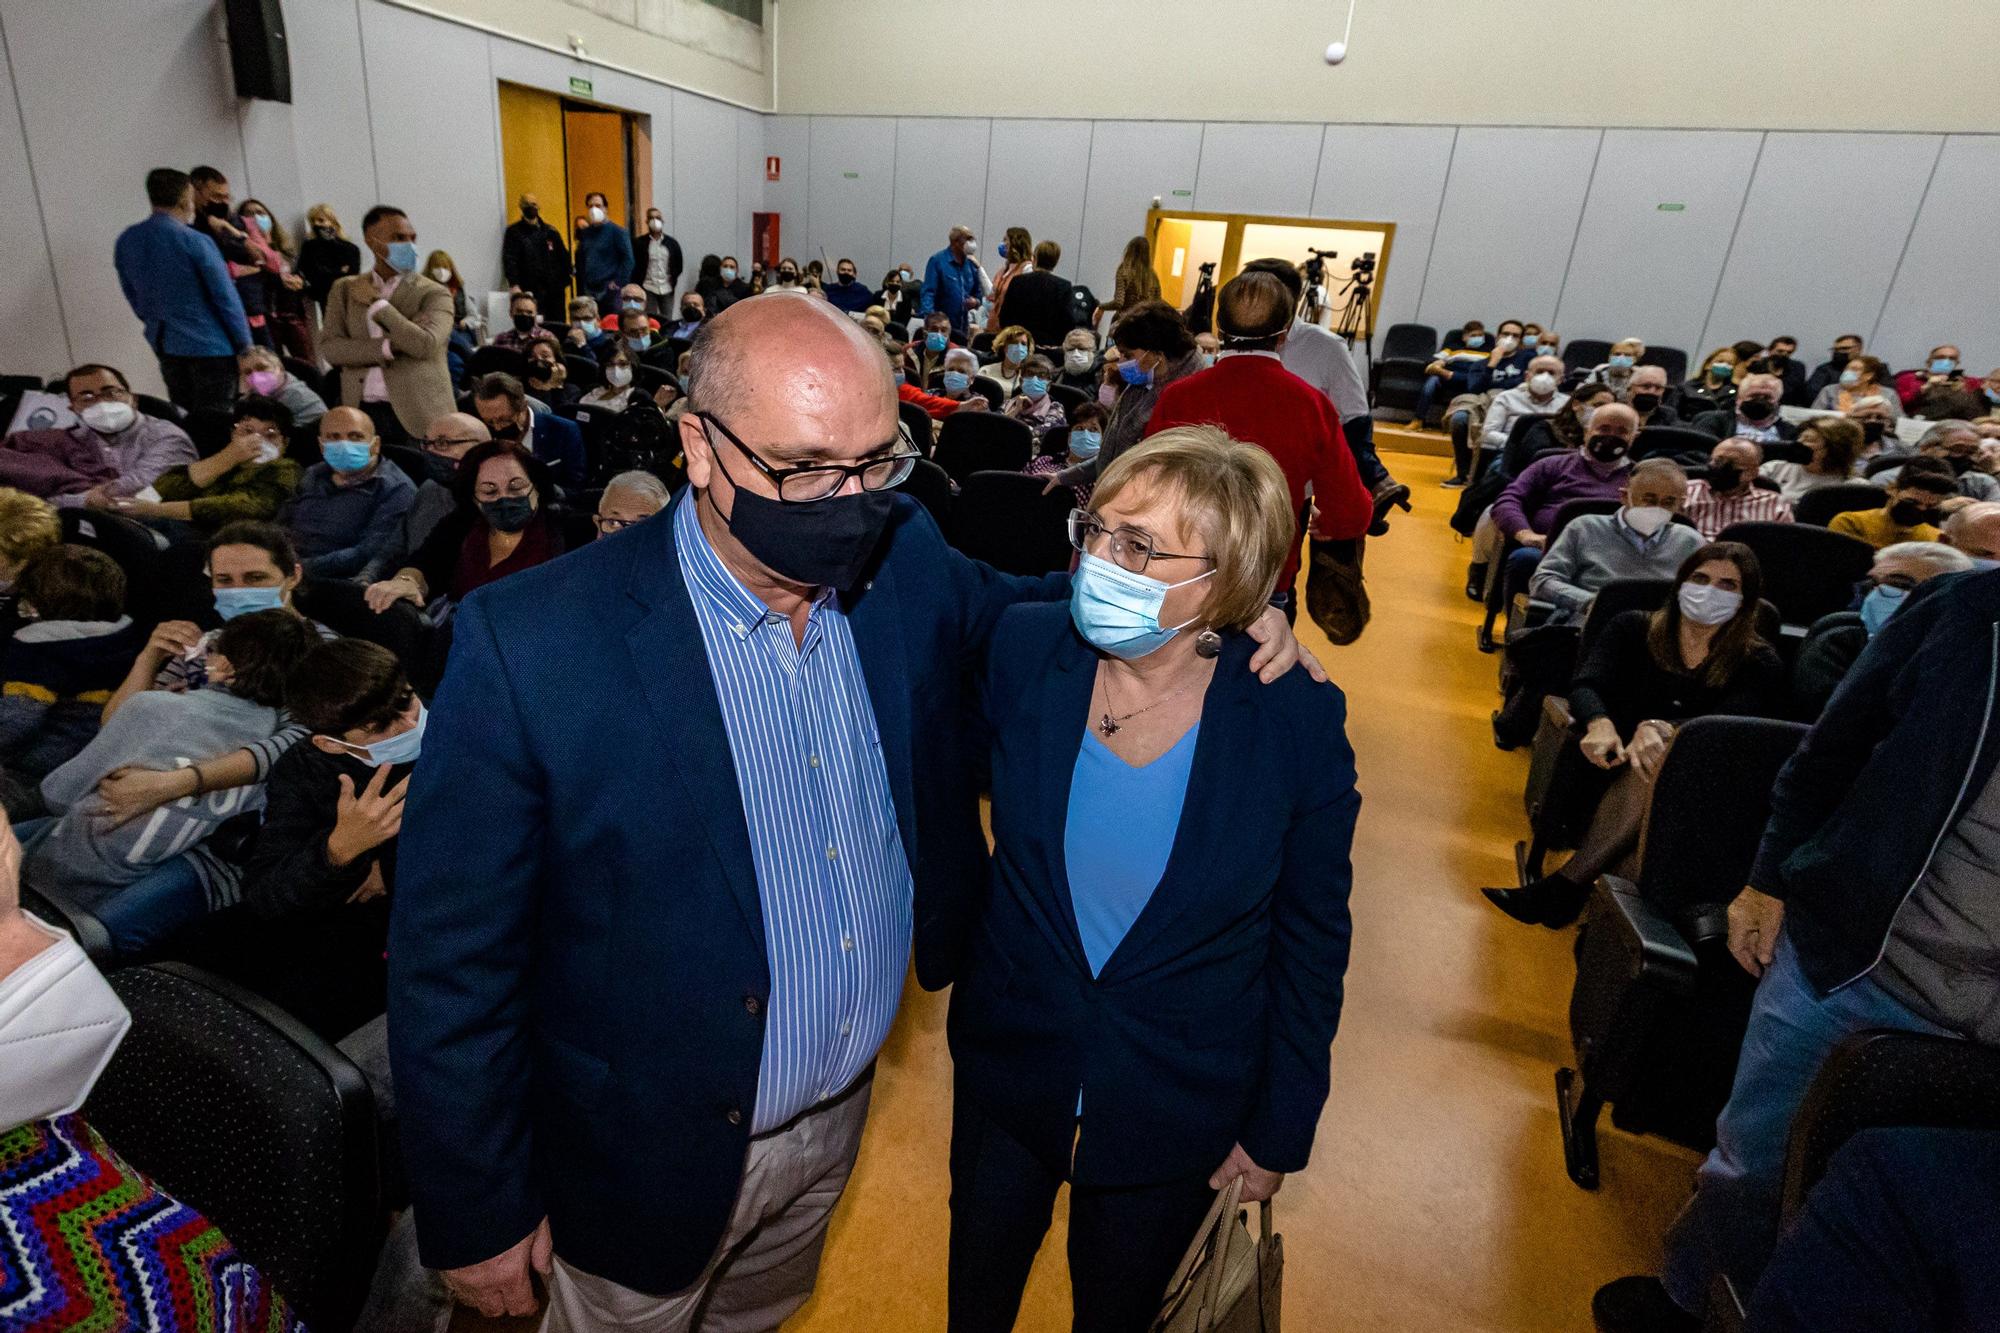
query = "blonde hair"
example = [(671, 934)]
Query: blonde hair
[(1009, 334), (431, 262), (325, 211), (27, 525), (1234, 495)]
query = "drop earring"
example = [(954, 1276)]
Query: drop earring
[(1207, 644)]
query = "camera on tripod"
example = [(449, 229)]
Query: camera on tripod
[(1207, 270), (1363, 268)]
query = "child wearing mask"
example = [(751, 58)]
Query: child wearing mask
[(248, 479)]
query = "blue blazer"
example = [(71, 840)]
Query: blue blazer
[(577, 968), (1211, 1022), (559, 444)]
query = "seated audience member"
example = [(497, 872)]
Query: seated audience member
[(525, 313), (548, 378), (450, 438), (1865, 376), (145, 879), (693, 312), (1537, 396), (1956, 444), (900, 295), (1754, 415), (1837, 640), (845, 293), (629, 498), (1640, 541), (1562, 431), (27, 525), (248, 478), (1833, 444), (1716, 379), (1508, 364), (1975, 530), (348, 514), (631, 299), (585, 333), (1460, 366), (1952, 400), (1648, 397), (1596, 471), (876, 320), (503, 405), (960, 368), (936, 406), (501, 526), (728, 288), (314, 922), (1079, 361), (1781, 358), (1210, 348), (927, 353), (1877, 420), (1086, 437), (1911, 507), (1647, 673), (1942, 369), (63, 662), (1011, 349), (264, 376), (611, 396), (635, 331), (1617, 371), (112, 451), (1730, 494), (1033, 403), (1845, 348), (251, 567)]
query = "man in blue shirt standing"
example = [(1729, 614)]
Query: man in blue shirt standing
[(603, 254), (953, 282), (176, 283)]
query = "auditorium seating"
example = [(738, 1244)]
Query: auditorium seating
[(1819, 507), (970, 442), (1398, 374), (1005, 519), (1809, 572)]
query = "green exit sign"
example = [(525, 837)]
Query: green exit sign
[(1183, 194), (850, 175), (1673, 208), (580, 87)]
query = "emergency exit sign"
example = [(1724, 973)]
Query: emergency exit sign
[(580, 87)]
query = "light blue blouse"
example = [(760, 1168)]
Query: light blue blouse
[(1122, 822)]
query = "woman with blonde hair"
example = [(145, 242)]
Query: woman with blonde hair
[(1017, 254), (438, 265), (1135, 282), (326, 255), (1157, 963), (1717, 378), (1012, 347)]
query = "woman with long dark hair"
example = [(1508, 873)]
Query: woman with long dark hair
[(1649, 672)]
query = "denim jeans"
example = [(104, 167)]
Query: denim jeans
[(146, 912), (1731, 1223), (1449, 387)]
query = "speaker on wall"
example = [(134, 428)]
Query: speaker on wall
[(257, 52)]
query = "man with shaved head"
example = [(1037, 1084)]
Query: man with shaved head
[(692, 794)]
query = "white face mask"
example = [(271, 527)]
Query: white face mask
[(60, 1021), (108, 418), (1542, 385), (1647, 519), (596, 214), (267, 452), (1077, 360), (618, 376), (655, 225), (1706, 604)]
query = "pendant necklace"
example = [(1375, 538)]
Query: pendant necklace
[(1110, 723)]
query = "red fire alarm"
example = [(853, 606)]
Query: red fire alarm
[(770, 168)]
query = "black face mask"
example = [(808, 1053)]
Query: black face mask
[(1779, 361), (820, 544), (324, 233), (1959, 465), (1642, 403), (1909, 513), (1758, 410), (1607, 448), (846, 278), (1873, 431), (215, 210), (530, 212), (689, 315), (523, 323), (1724, 477), (510, 431), (510, 513)]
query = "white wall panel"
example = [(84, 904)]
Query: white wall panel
[(1258, 168), (1944, 291), (705, 165), (1826, 219), (940, 182), (749, 173), (853, 170), (1510, 212), (1131, 161), (1035, 178), (1636, 269), (330, 126), (33, 340), (790, 138), (1387, 173), (441, 169)]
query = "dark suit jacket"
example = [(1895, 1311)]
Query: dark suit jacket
[(577, 933), (559, 443), (1040, 303), (642, 255), (1211, 1022)]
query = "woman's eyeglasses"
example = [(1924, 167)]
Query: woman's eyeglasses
[(1129, 549)]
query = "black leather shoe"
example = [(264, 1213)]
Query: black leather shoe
[(1639, 1305), (1391, 494), (1550, 901)]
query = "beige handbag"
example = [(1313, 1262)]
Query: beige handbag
[(1226, 1282)]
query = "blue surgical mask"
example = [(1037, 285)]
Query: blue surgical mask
[(640, 343), (1985, 564), (1117, 611), (233, 602), (1992, 396), (1850, 378), (897, 373), (1035, 387), (956, 381), (1943, 365), (1623, 362), (402, 748), (346, 455), (1132, 372), (1001, 249), (1531, 340), (1016, 353), (907, 275), (403, 256), (1207, 360), (1085, 443), (1476, 340), (729, 272), (1881, 602), (936, 342)]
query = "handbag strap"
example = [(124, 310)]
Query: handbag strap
[(1226, 1204)]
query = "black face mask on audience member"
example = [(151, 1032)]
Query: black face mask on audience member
[(510, 513), (1873, 431), (510, 431), (530, 212), (1724, 477), (1607, 448), (689, 315), (1642, 403), (1758, 410), (1909, 513), (523, 323), (1959, 464)]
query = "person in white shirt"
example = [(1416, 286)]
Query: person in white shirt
[(1537, 396)]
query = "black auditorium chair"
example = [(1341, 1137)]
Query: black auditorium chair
[(1583, 355), (342, 606), (1070, 398), (930, 486), (1690, 448), (1819, 507), (675, 346), (210, 428), (981, 345), (1501, 594), (649, 377), (161, 408), (584, 372), (1883, 463), (239, 1111), (304, 371), (970, 442), (1004, 519), (1054, 443), (917, 425), (991, 389), (491, 360), (58, 908), (1398, 374), (1670, 359), (136, 549), (329, 386), (1809, 572), (1659, 1006), (409, 461)]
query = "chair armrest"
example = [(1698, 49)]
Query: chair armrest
[(1651, 936), (81, 922)]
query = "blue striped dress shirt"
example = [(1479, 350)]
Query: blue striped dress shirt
[(831, 872)]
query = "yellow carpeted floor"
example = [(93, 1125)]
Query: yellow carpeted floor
[(1436, 1199)]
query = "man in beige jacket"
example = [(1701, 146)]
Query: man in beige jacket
[(387, 330)]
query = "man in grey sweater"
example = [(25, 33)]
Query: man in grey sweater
[(1640, 541)]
